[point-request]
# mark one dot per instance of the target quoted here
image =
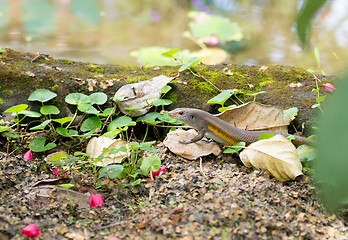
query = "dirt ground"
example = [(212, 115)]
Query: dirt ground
[(218, 199)]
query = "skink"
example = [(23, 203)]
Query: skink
[(213, 127)]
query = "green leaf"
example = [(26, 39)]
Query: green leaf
[(291, 112), (42, 95), (98, 98), (189, 64), (112, 171), (41, 126), (331, 164), (30, 113), (170, 53), (265, 136), (221, 98), (166, 89), (310, 70), (151, 163), (66, 185), (320, 99), (67, 132), (146, 146), (38, 145), (162, 102), (107, 112), (235, 150), (317, 57), (17, 108), (119, 122), (221, 109), (304, 19), (49, 109), (149, 117), (91, 124), (4, 128), (57, 157), (62, 120), (255, 94), (76, 98), (87, 108), (10, 135)]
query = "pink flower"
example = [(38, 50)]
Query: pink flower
[(30, 231), (113, 238), (160, 170), (212, 40), (28, 155), (95, 200), (199, 18), (55, 171), (329, 87)]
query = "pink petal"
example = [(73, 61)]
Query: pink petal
[(28, 155), (95, 200), (212, 40), (55, 171), (30, 231), (158, 172), (329, 87)]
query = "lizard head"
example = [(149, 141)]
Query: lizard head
[(190, 116)]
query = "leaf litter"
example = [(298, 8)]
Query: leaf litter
[(229, 201)]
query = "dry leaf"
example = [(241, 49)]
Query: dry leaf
[(96, 145), (140, 95), (190, 151), (257, 116), (276, 155)]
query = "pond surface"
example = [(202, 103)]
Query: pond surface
[(107, 31)]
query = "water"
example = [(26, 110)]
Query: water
[(106, 31)]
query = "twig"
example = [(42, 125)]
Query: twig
[(200, 165), (198, 74)]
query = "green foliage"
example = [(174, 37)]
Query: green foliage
[(332, 164), (76, 98), (151, 163), (119, 122), (38, 145), (49, 109), (291, 112), (63, 120), (265, 136), (67, 132), (17, 109), (192, 62), (42, 125), (236, 148), (42, 95), (303, 22), (112, 171), (221, 98), (91, 124)]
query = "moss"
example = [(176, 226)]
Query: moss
[(65, 61), (172, 97), (95, 68)]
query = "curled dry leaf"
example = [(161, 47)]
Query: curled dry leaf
[(276, 155), (96, 145), (257, 116), (190, 151), (140, 95)]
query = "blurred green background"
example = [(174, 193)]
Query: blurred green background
[(107, 31)]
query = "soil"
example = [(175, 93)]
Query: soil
[(218, 198)]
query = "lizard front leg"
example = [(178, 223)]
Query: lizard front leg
[(200, 135)]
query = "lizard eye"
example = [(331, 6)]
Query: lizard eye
[(181, 113)]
